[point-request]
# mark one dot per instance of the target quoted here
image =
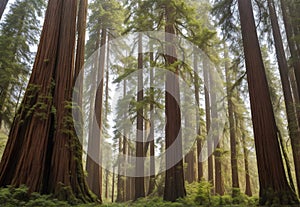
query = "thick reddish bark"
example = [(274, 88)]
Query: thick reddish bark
[(120, 181), (208, 121), (81, 30), (42, 133), (248, 190), (174, 180), (291, 42), (274, 187), (113, 185), (151, 135), (106, 104), (79, 62), (132, 180), (190, 159), (124, 149), (94, 157), (219, 189), (90, 163), (233, 142), (139, 165), (198, 128), (287, 92)]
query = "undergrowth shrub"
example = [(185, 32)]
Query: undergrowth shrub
[(198, 195), (204, 197), (11, 197)]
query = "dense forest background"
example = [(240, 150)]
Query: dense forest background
[(149, 102)]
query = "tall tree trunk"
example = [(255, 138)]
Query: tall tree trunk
[(41, 136), (124, 149), (295, 55), (152, 143), (124, 178), (79, 62), (190, 157), (240, 124), (120, 181), (219, 189), (113, 185), (293, 7), (198, 125), (106, 183), (139, 165), (3, 4), (90, 162), (296, 65), (94, 169), (248, 190), (206, 69), (132, 180), (128, 183), (272, 177), (107, 105), (287, 92), (81, 30), (233, 142), (190, 175), (174, 180), (93, 81)]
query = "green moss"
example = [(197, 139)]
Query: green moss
[(65, 193)]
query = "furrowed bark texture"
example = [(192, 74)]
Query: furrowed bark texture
[(43, 151), (272, 177), (139, 165), (233, 142), (174, 182)]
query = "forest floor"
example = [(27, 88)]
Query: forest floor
[(196, 197)]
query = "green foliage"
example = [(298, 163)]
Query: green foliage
[(103, 14), (204, 197), (204, 193), (238, 197), (198, 194), (18, 34), (11, 196)]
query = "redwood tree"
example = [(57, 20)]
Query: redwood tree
[(174, 180), (43, 151), (219, 189), (152, 142), (274, 187), (94, 157), (208, 119), (139, 165), (233, 142), (287, 91), (198, 125)]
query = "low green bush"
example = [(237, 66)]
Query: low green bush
[(10, 197), (198, 195)]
